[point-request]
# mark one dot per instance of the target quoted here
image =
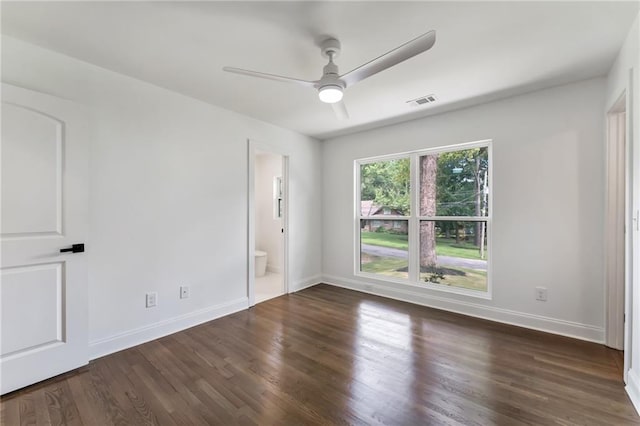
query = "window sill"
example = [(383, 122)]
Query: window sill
[(429, 286)]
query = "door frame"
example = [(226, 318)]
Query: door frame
[(616, 217), (252, 147)]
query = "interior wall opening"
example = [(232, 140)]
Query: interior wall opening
[(269, 210)]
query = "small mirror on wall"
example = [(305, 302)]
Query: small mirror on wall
[(277, 197)]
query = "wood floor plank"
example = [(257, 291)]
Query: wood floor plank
[(327, 355), (125, 362), (41, 408), (77, 386), (61, 406), (27, 410), (9, 411), (110, 407)]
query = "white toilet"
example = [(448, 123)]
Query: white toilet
[(261, 263)]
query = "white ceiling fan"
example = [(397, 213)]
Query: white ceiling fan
[(331, 85)]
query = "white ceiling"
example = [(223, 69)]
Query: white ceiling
[(484, 50)]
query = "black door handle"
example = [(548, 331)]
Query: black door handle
[(75, 248)]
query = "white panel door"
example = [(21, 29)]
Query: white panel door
[(43, 209)]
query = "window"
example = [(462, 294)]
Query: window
[(385, 191), (435, 231)]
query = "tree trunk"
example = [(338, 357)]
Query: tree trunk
[(428, 174)]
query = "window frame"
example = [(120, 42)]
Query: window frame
[(413, 219)]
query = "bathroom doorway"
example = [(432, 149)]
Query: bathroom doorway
[(267, 223)]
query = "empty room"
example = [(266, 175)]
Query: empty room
[(335, 212)]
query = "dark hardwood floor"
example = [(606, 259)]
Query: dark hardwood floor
[(327, 355)]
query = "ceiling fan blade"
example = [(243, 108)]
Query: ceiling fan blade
[(341, 110), (393, 57), (270, 76)]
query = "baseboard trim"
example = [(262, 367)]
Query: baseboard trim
[(101, 347), (535, 322), (305, 283), (633, 389)]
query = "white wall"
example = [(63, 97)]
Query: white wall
[(268, 229), (548, 195), (625, 77), (168, 203), (168, 200)]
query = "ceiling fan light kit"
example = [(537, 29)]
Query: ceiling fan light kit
[(332, 85), (330, 94)]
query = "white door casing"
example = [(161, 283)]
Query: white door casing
[(44, 208), (615, 214), (632, 253)]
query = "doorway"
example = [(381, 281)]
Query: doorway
[(616, 238), (267, 223)]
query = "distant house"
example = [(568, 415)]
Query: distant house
[(368, 208)]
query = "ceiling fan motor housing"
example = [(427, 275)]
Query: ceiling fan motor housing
[(330, 76)]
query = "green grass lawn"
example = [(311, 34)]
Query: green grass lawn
[(384, 239), (449, 247), (388, 266), (392, 267), (444, 246)]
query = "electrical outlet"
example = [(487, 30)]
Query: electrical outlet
[(541, 294), (184, 291), (152, 299)]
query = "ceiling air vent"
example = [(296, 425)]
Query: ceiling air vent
[(423, 100)]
